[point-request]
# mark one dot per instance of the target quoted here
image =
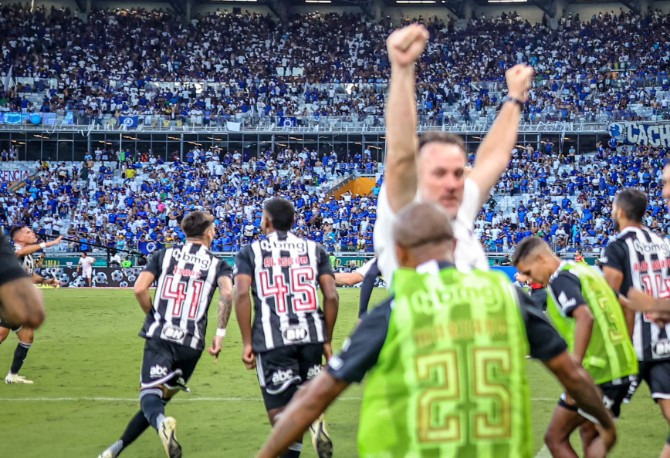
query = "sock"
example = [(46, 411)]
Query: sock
[(136, 426), (19, 356), (153, 407), (293, 450), (116, 448)]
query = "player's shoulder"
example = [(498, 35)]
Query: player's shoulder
[(563, 275)]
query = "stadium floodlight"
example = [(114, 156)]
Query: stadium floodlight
[(317, 1)]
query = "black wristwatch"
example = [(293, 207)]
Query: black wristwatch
[(508, 98)]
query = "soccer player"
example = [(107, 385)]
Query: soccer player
[(446, 360), (432, 168), (25, 244), (86, 265), (367, 274), (186, 278), (640, 259), (20, 302), (587, 313), (290, 334)]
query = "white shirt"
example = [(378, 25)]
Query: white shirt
[(469, 252), (86, 263)]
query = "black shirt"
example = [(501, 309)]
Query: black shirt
[(361, 350), (567, 289), (10, 269)]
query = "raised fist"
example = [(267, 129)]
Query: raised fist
[(519, 79), (406, 45)]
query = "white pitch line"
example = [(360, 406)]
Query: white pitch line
[(186, 398)]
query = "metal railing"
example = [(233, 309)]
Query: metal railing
[(51, 123)]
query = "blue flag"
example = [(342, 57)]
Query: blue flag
[(149, 247), (290, 121), (129, 122)]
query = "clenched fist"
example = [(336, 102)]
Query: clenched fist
[(519, 79), (406, 45)]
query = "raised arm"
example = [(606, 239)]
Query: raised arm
[(495, 151), (404, 48), (34, 248)]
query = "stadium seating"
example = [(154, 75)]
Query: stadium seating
[(588, 70)]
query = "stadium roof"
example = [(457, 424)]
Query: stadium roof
[(282, 8)]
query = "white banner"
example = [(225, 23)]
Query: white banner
[(233, 126), (641, 134), (13, 175)]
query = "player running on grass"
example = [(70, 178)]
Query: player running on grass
[(446, 360), (587, 313), (25, 244), (186, 278), (640, 259), (291, 334)]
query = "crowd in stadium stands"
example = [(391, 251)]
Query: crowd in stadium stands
[(567, 197), (128, 62), (126, 203), (563, 197)]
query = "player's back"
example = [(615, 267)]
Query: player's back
[(186, 279), (285, 271), (643, 257), (609, 355), (450, 380)]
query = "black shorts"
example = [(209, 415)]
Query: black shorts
[(282, 370), (167, 363), (613, 396), (4, 324), (657, 376)]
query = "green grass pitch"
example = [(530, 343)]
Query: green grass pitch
[(85, 363)]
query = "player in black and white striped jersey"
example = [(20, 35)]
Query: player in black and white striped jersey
[(290, 333), (639, 258), (186, 278), (25, 244)]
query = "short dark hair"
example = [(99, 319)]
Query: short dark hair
[(196, 223), (281, 212), (437, 136), (14, 230), (632, 202), (526, 247), (435, 226), (83, 253)]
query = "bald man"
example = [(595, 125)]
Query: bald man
[(439, 329)]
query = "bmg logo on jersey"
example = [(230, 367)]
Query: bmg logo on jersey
[(284, 245), (158, 371)]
